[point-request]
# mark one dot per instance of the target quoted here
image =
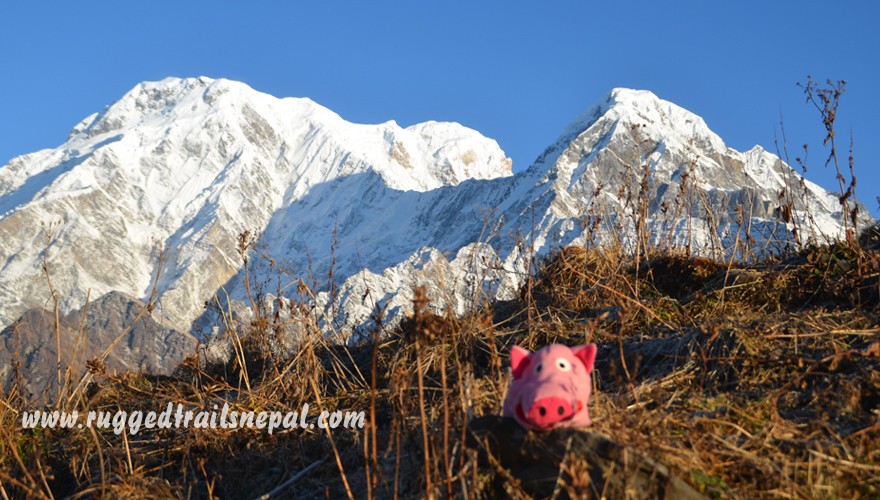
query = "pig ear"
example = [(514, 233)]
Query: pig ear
[(519, 360), (587, 354)]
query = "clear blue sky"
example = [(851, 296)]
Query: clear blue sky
[(515, 71)]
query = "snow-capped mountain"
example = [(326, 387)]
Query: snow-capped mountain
[(187, 165)]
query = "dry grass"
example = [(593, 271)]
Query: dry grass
[(748, 381)]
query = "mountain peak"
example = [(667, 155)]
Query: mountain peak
[(142, 101), (657, 117), (175, 81), (201, 118), (628, 95)]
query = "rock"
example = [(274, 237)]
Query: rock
[(146, 344), (568, 462)]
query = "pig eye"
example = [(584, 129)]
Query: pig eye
[(539, 367), (563, 365)]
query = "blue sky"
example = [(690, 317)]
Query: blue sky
[(515, 71)]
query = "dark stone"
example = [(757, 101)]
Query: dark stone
[(569, 462)]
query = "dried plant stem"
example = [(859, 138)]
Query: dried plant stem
[(446, 463), (423, 420), (332, 443), (290, 482), (57, 322), (74, 360)]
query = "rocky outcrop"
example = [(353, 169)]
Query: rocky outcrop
[(136, 342), (569, 463)]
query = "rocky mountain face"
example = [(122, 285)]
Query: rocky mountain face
[(156, 189), (144, 344)]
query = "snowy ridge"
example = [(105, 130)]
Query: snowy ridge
[(186, 165)]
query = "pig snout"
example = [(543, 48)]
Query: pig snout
[(549, 411)]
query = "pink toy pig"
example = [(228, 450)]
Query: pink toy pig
[(551, 387)]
